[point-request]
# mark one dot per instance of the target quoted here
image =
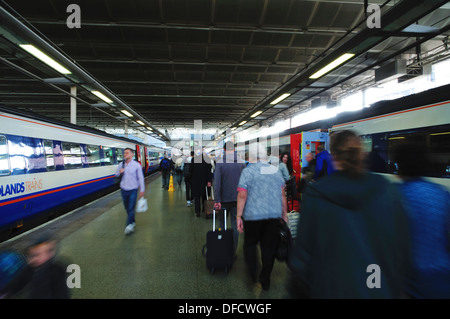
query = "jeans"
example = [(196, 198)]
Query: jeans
[(129, 201), (264, 232), (165, 178), (231, 208)]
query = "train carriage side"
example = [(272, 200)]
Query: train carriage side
[(45, 168)]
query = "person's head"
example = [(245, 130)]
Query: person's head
[(41, 251), (128, 154), (309, 157), (412, 160), (347, 152), (228, 147), (320, 148), (192, 153)]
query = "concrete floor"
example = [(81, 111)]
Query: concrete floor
[(161, 259)]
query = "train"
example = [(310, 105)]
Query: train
[(48, 167), (423, 117)]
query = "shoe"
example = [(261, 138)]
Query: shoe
[(188, 203), (129, 229)]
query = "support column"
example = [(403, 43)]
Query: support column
[(126, 128), (73, 105)]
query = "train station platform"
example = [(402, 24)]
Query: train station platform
[(161, 259)]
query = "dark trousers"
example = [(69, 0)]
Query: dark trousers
[(199, 203), (165, 178), (188, 185), (264, 232)]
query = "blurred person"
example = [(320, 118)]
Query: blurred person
[(287, 160), (351, 221), (201, 177), (187, 174), (261, 204), (428, 208), (324, 163), (43, 277), (132, 181), (166, 166), (308, 172), (179, 169), (226, 179)]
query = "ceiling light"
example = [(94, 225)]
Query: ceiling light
[(140, 122), (44, 58), (242, 123), (127, 113), (332, 65), (280, 98), (256, 114), (149, 128), (102, 96)]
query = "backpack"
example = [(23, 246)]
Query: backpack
[(165, 164), (187, 170)]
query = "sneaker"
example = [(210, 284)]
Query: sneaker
[(188, 203), (129, 229)]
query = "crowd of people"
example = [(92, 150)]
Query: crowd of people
[(360, 235)]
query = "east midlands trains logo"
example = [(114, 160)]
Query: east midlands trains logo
[(21, 187)]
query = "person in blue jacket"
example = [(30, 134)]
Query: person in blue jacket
[(353, 238), (324, 163)]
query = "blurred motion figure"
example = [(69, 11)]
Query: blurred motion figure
[(428, 208)]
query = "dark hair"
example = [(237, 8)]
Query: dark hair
[(130, 149), (411, 158), (289, 161), (349, 154)]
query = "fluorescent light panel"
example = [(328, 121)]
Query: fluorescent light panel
[(332, 65), (242, 123), (280, 98), (140, 122), (127, 113), (44, 58), (256, 114), (102, 96)]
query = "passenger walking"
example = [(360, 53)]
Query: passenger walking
[(428, 208), (201, 177), (179, 170), (353, 238), (260, 205), (324, 163), (132, 181), (187, 174), (166, 166), (43, 277), (226, 179)]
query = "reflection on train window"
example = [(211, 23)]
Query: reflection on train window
[(72, 155), (26, 155), (434, 141), (119, 155), (48, 150), (4, 163), (108, 158), (93, 155)]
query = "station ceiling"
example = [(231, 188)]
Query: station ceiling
[(219, 61)]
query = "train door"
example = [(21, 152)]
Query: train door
[(146, 160)]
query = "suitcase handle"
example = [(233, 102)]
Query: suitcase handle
[(212, 192), (214, 219)]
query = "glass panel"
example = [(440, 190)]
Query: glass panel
[(119, 155), (72, 155), (93, 155), (49, 157), (4, 163), (108, 156)]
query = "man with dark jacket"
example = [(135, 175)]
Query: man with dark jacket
[(201, 177), (166, 166), (226, 179)]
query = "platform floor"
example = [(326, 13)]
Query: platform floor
[(161, 259)]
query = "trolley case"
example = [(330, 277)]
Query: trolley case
[(219, 247)]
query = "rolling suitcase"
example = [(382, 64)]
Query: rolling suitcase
[(219, 247)]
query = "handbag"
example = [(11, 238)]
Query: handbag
[(293, 219), (142, 205), (285, 242)]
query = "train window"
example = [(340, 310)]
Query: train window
[(93, 155), (4, 162), (26, 155), (72, 155), (119, 155), (49, 157), (108, 158)]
